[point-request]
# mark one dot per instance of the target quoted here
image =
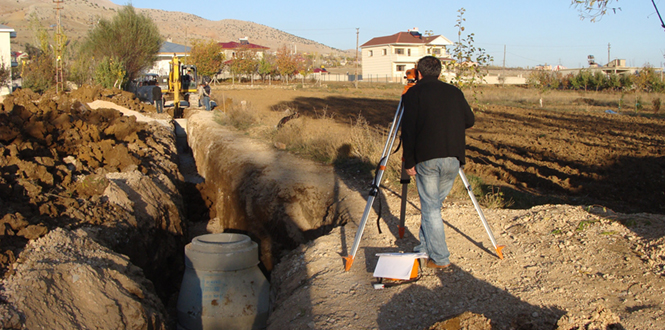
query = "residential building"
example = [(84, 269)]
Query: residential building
[(165, 55), (230, 48), (389, 57), (6, 34)]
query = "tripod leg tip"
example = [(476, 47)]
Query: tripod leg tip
[(348, 263), (498, 251)]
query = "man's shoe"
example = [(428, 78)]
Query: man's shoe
[(431, 264)]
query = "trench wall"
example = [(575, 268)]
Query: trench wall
[(279, 200)]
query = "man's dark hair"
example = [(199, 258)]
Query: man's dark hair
[(429, 66)]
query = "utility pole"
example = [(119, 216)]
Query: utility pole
[(504, 59), (357, 36), (59, 79), (608, 54)]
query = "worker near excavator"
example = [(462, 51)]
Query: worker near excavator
[(157, 100), (204, 94), (436, 115)]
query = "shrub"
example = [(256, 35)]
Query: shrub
[(109, 73), (130, 36), (656, 105), (39, 73), (4, 73)]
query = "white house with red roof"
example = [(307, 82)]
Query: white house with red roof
[(389, 57), (230, 48)]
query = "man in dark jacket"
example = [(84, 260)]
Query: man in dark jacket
[(206, 95), (157, 98), (435, 117)]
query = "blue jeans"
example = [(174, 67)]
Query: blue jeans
[(434, 179), (206, 102)]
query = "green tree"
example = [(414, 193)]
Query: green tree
[(581, 80), (110, 73), (614, 81), (598, 80), (207, 56), (129, 36), (82, 68), (266, 66)]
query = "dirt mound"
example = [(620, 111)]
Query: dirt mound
[(65, 165), (65, 270)]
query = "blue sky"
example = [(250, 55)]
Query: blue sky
[(533, 32)]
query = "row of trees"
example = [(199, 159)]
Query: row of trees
[(646, 80), (210, 61), (113, 52)]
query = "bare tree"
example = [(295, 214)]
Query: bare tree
[(594, 9)]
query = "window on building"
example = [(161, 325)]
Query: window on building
[(399, 51), (408, 52), (429, 51), (437, 51), (400, 68), (384, 51), (370, 53)]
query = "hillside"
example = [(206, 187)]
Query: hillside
[(78, 16)]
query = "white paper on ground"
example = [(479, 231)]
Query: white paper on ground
[(396, 265)]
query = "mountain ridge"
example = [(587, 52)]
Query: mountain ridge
[(78, 16)]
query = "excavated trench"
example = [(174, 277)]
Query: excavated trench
[(251, 188), (83, 182)]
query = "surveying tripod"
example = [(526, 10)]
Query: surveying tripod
[(405, 179)]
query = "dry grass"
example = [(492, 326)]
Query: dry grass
[(355, 147), (239, 115)]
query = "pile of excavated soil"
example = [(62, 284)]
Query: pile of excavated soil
[(65, 164)]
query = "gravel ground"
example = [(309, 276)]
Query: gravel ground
[(565, 267)]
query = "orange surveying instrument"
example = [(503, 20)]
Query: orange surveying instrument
[(411, 77)]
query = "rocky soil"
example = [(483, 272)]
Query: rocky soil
[(565, 267), (85, 189)]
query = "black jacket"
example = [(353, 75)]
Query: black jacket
[(435, 117)]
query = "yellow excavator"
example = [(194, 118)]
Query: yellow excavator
[(183, 82)]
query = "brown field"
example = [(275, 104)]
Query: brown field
[(570, 151)]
